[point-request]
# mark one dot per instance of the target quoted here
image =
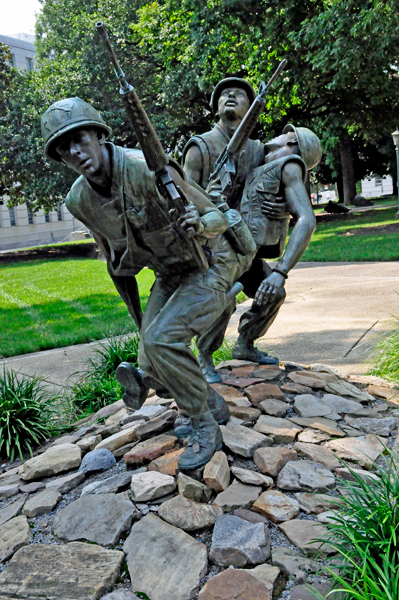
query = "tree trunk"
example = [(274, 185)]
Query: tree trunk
[(395, 183), (340, 188), (348, 171)]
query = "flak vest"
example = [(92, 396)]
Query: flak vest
[(264, 183), (211, 144)]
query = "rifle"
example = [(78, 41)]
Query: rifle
[(225, 168), (154, 153)]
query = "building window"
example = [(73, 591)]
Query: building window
[(13, 60), (11, 212), (30, 216), (47, 218), (59, 211), (29, 63), (378, 182)]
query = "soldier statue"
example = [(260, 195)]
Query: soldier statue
[(280, 198), (118, 198)]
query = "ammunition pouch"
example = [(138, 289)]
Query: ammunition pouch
[(238, 233)]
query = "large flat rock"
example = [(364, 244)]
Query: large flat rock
[(98, 518), (341, 405), (281, 431), (150, 449), (306, 476), (14, 534), (271, 460), (383, 427), (307, 405), (293, 564), (239, 543), (363, 450), (238, 495), (319, 454), (244, 441), (151, 485), (276, 506), (13, 509), (74, 571), (303, 533), (42, 503), (316, 503), (327, 425), (55, 460), (164, 562)]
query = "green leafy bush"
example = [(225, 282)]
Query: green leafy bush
[(386, 354), (97, 386), (365, 535), (26, 413)]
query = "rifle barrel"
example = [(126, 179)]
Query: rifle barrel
[(125, 87)]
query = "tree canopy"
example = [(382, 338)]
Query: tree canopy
[(342, 79)]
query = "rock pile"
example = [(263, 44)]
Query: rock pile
[(242, 527)]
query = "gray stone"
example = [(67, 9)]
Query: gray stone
[(109, 410), (250, 516), (251, 477), (236, 363), (65, 484), (120, 439), (313, 436), (65, 439), (320, 423), (276, 506), (340, 405), (192, 489), (363, 450), (274, 408), (31, 488), (150, 485), (156, 425), (239, 543), (8, 491), (42, 503), (319, 454), (244, 441), (74, 571), (281, 431), (238, 495), (307, 405), (313, 379), (303, 592), (316, 503), (164, 562), (114, 484), (14, 534), (55, 460), (101, 519), (239, 584), (344, 388), (117, 417), (303, 533), (13, 509), (88, 443), (187, 514), (383, 427), (272, 577), (351, 474), (145, 413), (97, 460), (329, 516), (303, 475), (121, 595), (294, 565), (271, 460)]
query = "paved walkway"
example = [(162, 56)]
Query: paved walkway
[(332, 314)]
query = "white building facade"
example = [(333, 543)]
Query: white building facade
[(375, 186), (19, 228)]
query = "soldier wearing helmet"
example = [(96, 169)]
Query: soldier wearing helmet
[(116, 196), (268, 219)]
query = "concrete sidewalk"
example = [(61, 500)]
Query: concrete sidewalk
[(332, 314)]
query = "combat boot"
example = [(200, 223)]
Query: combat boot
[(208, 368), (218, 407), (204, 440), (246, 351), (131, 380)]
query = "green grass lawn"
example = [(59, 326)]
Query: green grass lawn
[(330, 242), (54, 303)]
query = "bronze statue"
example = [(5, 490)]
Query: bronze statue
[(129, 212), (230, 101)]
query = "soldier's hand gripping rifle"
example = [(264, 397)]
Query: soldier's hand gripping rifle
[(225, 168), (154, 153)]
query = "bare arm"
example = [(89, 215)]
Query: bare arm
[(193, 164), (202, 215), (298, 204)]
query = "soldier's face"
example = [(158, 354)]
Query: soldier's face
[(82, 151), (233, 104), (283, 145)]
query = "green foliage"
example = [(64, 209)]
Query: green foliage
[(55, 303), (97, 386), (386, 354), (26, 413), (365, 535), (224, 352)]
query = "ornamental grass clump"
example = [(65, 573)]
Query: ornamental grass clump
[(365, 536), (97, 386), (26, 413), (386, 354)]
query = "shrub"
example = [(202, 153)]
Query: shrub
[(26, 413), (386, 354), (97, 386), (365, 535)]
